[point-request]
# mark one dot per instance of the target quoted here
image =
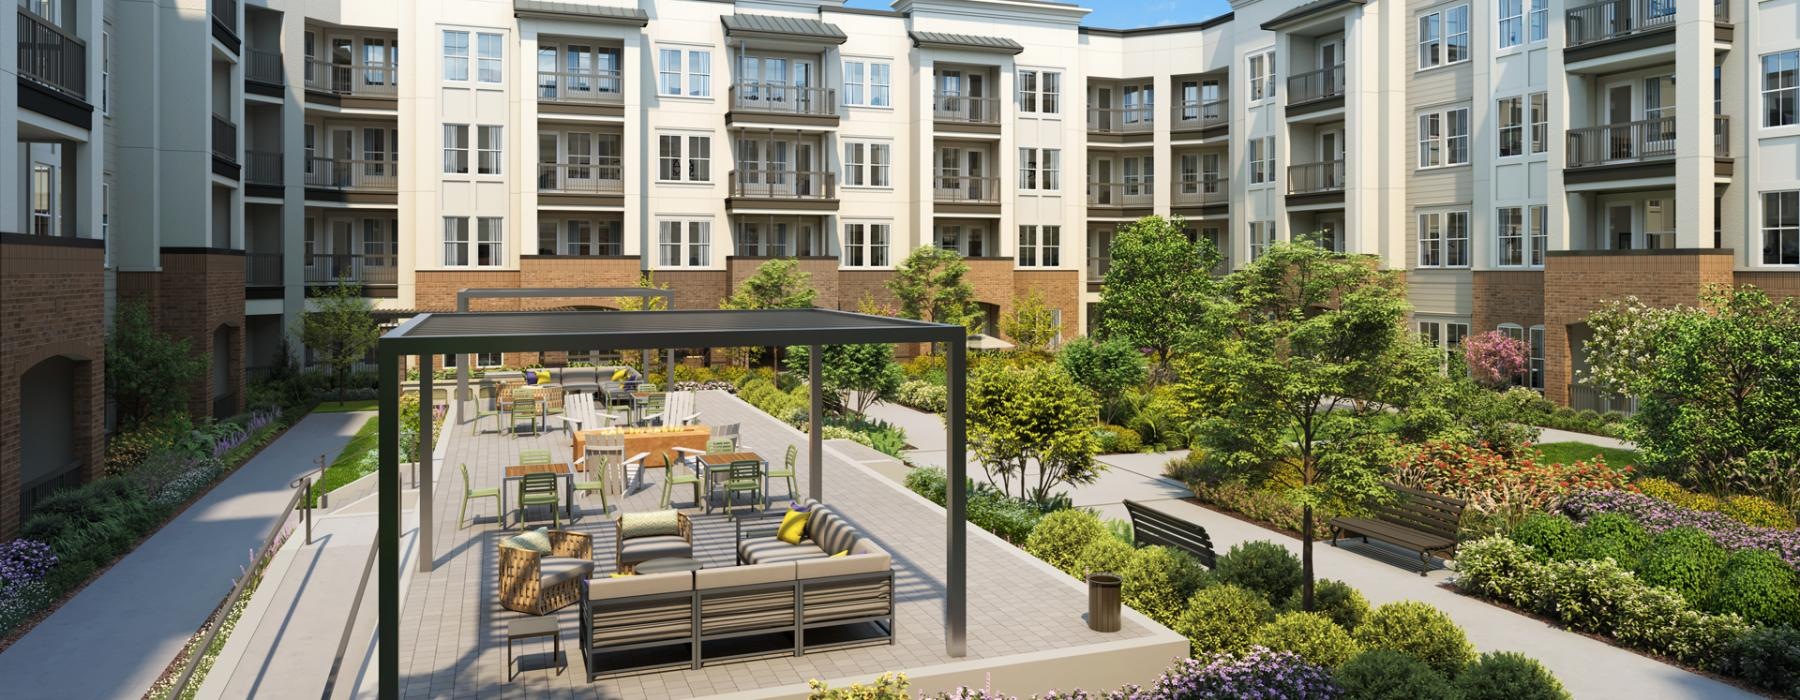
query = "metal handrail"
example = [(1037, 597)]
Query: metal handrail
[(224, 138), (225, 12), (583, 87), (1645, 139), (51, 56), (374, 175), (603, 176), (330, 268), (1207, 112), (1116, 120), (1322, 176), (262, 270), (362, 586), (1120, 194), (1316, 84), (965, 188), (264, 167), (1611, 19), (764, 183), (264, 66), (356, 79), (965, 109), (1202, 190), (781, 98)]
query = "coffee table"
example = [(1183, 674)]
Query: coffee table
[(529, 628), (666, 565)]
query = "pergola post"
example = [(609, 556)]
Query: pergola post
[(387, 531), (815, 424), (956, 562), (423, 477)]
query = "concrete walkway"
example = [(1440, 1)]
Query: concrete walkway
[(115, 637), (1555, 435)]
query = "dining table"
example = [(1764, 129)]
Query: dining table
[(517, 472), (718, 465)]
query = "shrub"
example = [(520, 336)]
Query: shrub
[(1158, 581), (1507, 487), (24, 561), (888, 686), (1757, 511), (1767, 657), (1311, 635), (1611, 535), (1420, 630), (1258, 673), (1661, 621), (1587, 594), (1261, 566), (989, 510), (1683, 560), (18, 602), (1549, 536), (1499, 568), (1657, 515), (1116, 439), (1506, 675), (1385, 674), (1258, 504), (1334, 599), (1664, 489), (1059, 538), (1759, 586), (1223, 618), (1104, 554), (923, 395)]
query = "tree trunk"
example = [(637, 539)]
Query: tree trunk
[(1306, 566)]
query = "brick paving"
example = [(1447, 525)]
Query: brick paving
[(453, 630)]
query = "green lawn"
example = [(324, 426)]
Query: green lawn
[(332, 406), (346, 468), (1566, 452)]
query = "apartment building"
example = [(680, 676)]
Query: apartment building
[(219, 160)]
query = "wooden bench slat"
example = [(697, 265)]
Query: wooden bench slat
[(1418, 520), (1153, 527)]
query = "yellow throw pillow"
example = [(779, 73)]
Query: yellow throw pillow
[(840, 555), (623, 574), (619, 374), (793, 526), (543, 376)]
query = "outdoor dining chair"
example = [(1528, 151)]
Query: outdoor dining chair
[(540, 490), (534, 456), (471, 494), (673, 478), (525, 405), (595, 473), (484, 409), (787, 472), (745, 476), (727, 431)]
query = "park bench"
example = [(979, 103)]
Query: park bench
[(1418, 520), (1150, 526)]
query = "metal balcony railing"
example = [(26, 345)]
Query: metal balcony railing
[(263, 167), (1120, 194), (1202, 191), (356, 79), (51, 56), (327, 268), (781, 98), (225, 12), (1323, 176), (581, 87), (1316, 85), (762, 183), (965, 189), (264, 66), (262, 269), (964, 109), (1611, 19), (1121, 120), (1191, 113), (224, 139), (366, 175), (1643, 140), (603, 176)]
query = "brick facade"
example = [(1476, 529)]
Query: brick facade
[(1509, 296), (198, 292), (52, 304)]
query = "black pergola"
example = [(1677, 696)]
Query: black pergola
[(464, 333)]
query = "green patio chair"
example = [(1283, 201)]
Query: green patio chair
[(673, 478), (482, 411), (540, 490), (525, 407), (788, 472), (594, 466), (470, 494), (744, 476), (534, 456)]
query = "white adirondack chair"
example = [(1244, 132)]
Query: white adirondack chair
[(579, 413), (678, 409)]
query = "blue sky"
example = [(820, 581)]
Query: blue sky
[(1123, 14)]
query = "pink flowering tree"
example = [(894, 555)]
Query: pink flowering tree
[(1494, 358)]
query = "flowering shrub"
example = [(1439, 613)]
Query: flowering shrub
[(1750, 510), (1493, 484), (1494, 358), (18, 602), (1657, 515), (1258, 673), (25, 561)]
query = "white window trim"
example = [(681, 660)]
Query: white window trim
[(844, 246), (687, 70), (1525, 238), (1037, 111), (1269, 75), (1443, 138), (1038, 247), (1762, 229), (867, 167), (868, 81), (1443, 39), (686, 244), (1523, 125), (467, 56), (1762, 94), (686, 157)]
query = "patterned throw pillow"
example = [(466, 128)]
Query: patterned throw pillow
[(662, 522), (533, 541)]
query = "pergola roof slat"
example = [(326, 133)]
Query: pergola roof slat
[(607, 330)]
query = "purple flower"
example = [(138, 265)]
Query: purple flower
[(1657, 515), (24, 561)]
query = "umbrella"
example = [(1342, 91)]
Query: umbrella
[(983, 341)]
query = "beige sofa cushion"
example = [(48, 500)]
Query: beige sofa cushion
[(555, 570), (763, 550), (842, 566), (644, 549), (750, 574), (648, 584), (661, 522)]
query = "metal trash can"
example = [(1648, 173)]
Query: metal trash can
[(1103, 601)]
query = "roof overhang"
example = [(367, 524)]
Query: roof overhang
[(777, 28), (527, 331), (603, 14), (1308, 11), (965, 42)]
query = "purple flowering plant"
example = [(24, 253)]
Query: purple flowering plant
[(24, 561), (1657, 515)]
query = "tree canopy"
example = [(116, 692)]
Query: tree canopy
[(858, 374), (1031, 324), (147, 372), (340, 329), (932, 285), (1158, 287), (1026, 412), (776, 284)]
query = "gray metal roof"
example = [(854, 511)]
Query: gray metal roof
[(1308, 10), (629, 16), (777, 27), (966, 42), (526, 331)]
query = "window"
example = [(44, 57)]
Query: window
[(867, 164), (1038, 91), (1540, 19), (865, 244), (1444, 138), (1540, 122), (456, 241), (669, 161), (1512, 23), (1447, 335), (1512, 127), (866, 83), (1262, 160), (105, 210), (878, 85), (1431, 136), (1781, 85), (1262, 76), (698, 74), (1510, 230), (693, 250), (1040, 246), (1038, 169), (1140, 175), (456, 149), (488, 151), (488, 248), (487, 359), (456, 55), (488, 51), (854, 75), (1444, 239), (1540, 234), (1262, 235), (1444, 37), (1536, 335), (106, 73), (43, 199), (1781, 228)]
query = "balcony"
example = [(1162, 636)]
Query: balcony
[(1614, 35), (764, 188), (1639, 149), (355, 80), (329, 178), (51, 57), (966, 113), (262, 270), (1195, 115), (265, 67), (596, 92), (1128, 199), (1323, 177), (802, 104), (1316, 91), (225, 23), (1202, 192), (965, 189), (263, 168), (330, 268), (1121, 120), (225, 148), (597, 183)]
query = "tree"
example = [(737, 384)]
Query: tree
[(1291, 379), (857, 374), (340, 330), (777, 284), (645, 281), (147, 371), (1031, 325), (1495, 358), (1105, 368), (1020, 413), (1715, 385), (1157, 288), (932, 285)]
